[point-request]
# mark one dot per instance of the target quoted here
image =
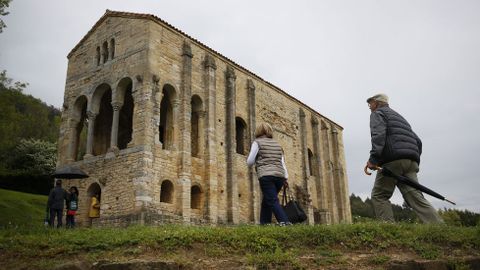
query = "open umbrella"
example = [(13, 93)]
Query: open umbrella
[(407, 181), (69, 172)]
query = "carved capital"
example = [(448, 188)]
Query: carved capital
[(209, 62), (314, 121), (155, 79), (250, 85), (116, 105), (302, 113), (230, 73), (139, 78), (187, 50), (201, 114), (91, 115), (176, 103)]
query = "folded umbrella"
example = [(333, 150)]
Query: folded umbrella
[(407, 181)]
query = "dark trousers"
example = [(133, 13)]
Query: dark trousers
[(270, 186), (59, 214), (70, 220)]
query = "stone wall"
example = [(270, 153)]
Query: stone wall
[(181, 88)]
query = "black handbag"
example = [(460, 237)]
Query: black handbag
[(292, 208)]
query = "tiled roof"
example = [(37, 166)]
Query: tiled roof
[(131, 15)]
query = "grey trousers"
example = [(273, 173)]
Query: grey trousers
[(385, 186)]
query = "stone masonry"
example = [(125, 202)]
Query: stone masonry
[(163, 125)]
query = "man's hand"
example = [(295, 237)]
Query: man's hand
[(285, 184), (370, 166)]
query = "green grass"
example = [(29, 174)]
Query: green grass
[(21, 209), (260, 247)]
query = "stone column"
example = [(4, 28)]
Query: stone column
[(201, 133), (305, 171), (175, 134), (91, 126), (158, 95), (328, 172), (340, 174), (252, 176), (73, 141), (210, 150), (117, 106), (319, 177), (232, 187), (138, 111), (185, 137)]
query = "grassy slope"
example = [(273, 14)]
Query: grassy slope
[(357, 246), (17, 208)]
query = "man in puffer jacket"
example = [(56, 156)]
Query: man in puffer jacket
[(56, 202), (397, 147)]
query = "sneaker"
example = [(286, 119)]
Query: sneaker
[(282, 224)]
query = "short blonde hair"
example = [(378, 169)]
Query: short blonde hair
[(264, 129)]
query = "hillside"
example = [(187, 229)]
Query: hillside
[(356, 246), (21, 209)]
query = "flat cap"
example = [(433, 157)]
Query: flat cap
[(378, 97)]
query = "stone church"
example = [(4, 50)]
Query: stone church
[(163, 124)]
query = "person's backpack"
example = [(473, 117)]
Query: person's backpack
[(73, 205)]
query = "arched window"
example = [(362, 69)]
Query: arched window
[(79, 142), (166, 192), (125, 127), (166, 131), (195, 132), (196, 197), (102, 103), (112, 48), (98, 56), (105, 52), (240, 135), (310, 162)]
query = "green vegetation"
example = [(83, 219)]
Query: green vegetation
[(27, 124), (293, 247), (21, 209)]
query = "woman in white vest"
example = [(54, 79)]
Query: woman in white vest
[(267, 155)]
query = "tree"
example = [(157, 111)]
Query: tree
[(34, 157), (3, 6), (450, 217)]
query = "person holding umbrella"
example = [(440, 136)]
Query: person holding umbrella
[(56, 203), (395, 146)]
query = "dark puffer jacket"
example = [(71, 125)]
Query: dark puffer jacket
[(392, 138), (57, 197)]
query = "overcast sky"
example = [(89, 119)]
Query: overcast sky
[(331, 55)]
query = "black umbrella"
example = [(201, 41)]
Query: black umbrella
[(409, 182), (69, 172)]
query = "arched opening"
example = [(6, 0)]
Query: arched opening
[(92, 190), (125, 124), (103, 121), (97, 57), (310, 162), (240, 135), (195, 132), (166, 117), (196, 197), (79, 143), (112, 48), (166, 192), (105, 52)]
